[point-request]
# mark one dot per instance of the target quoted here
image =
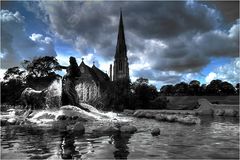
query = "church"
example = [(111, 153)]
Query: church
[(92, 82)]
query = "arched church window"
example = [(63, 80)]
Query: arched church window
[(87, 93), (92, 91), (81, 95), (120, 65)]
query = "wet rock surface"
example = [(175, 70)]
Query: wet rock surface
[(230, 113), (128, 129), (155, 132), (106, 130)]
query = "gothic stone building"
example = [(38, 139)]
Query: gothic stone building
[(93, 82)]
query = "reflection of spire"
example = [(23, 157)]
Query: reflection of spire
[(94, 63), (82, 59)]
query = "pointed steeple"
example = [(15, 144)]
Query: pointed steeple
[(121, 49), (120, 68)]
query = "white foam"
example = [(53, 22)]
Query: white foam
[(94, 114)]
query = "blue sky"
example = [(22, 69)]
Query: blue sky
[(168, 42)]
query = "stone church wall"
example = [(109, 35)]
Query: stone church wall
[(87, 90)]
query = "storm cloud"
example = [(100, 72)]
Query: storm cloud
[(16, 45), (166, 41)]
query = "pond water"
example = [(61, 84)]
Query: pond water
[(213, 138)]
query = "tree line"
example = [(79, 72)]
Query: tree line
[(194, 88), (119, 94)]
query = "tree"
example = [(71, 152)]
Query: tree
[(227, 88), (194, 87), (14, 73), (214, 88), (12, 88), (167, 90), (42, 66), (143, 93), (181, 88), (11, 91), (202, 89)]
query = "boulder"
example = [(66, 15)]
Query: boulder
[(106, 130), (171, 118), (12, 121), (79, 128), (219, 112), (189, 120), (205, 107), (155, 132), (149, 115), (230, 113), (128, 129), (160, 117)]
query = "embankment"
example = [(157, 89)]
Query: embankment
[(205, 108)]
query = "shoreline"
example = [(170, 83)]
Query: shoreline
[(205, 108)]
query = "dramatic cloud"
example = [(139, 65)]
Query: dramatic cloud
[(176, 24), (16, 45), (229, 9), (94, 24), (167, 41), (228, 72)]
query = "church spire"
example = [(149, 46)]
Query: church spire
[(120, 68), (121, 48)]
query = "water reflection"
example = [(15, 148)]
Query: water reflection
[(67, 148), (120, 143), (213, 138)]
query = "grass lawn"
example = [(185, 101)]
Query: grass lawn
[(178, 102)]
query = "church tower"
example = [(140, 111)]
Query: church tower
[(120, 68)]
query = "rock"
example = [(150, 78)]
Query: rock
[(149, 115), (205, 107), (219, 112), (189, 120), (106, 130), (155, 132), (79, 128), (171, 118), (230, 113), (128, 129), (12, 121), (205, 112), (160, 117)]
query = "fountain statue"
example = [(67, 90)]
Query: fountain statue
[(69, 93)]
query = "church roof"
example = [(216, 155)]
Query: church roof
[(121, 48), (101, 75), (96, 73)]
